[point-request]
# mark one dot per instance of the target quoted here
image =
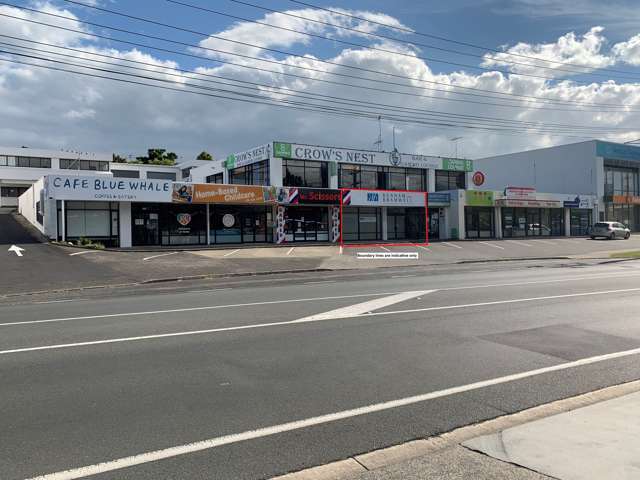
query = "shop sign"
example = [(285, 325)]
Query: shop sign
[(626, 199), (457, 164), (479, 198), (228, 220), (184, 219), (617, 151), (579, 202), (313, 196), (539, 203), (219, 193), (478, 179), (522, 193), (107, 188), (383, 198), (439, 199), (248, 157), (362, 157)]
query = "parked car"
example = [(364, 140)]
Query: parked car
[(610, 230)]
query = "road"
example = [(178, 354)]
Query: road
[(376, 361)]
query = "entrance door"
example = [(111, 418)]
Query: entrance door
[(307, 224), (145, 229), (434, 223), (415, 224), (479, 222)]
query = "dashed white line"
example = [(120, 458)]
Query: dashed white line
[(546, 241), (424, 248), (156, 455), (385, 249), (491, 245), (233, 252), (520, 243), (403, 276), (319, 283), (290, 251), (452, 245), (160, 255)]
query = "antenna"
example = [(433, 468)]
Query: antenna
[(394, 138), (378, 142), (455, 140)]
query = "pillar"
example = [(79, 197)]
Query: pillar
[(208, 226), (334, 215), (275, 172), (431, 180), (385, 231), (124, 214), (498, 221), (333, 174), (63, 221), (567, 222)]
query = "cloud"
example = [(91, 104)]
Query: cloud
[(42, 108), (584, 51), (629, 51)]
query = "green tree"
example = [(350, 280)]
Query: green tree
[(204, 156), (158, 156), (118, 159)]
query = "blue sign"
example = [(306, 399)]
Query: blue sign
[(575, 203), (617, 151), (440, 198)]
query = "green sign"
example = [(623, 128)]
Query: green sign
[(457, 164), (230, 162), (479, 198), (282, 150)]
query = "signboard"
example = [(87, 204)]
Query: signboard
[(439, 199), (479, 198), (580, 202), (522, 193), (313, 196), (626, 199), (617, 151), (383, 198), (457, 164), (478, 178), (348, 155), (539, 203), (107, 188), (219, 193), (248, 157)]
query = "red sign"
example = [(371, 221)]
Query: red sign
[(478, 178)]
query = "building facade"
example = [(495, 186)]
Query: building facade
[(604, 170)]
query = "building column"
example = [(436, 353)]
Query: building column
[(275, 172), (385, 227), (333, 174), (444, 223), (124, 215), (567, 222), (498, 221), (63, 221), (208, 226), (431, 180)]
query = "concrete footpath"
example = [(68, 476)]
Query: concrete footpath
[(591, 436)]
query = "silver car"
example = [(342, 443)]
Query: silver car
[(610, 230)]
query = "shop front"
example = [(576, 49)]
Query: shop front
[(438, 205), (383, 215), (624, 209), (309, 214), (479, 214)]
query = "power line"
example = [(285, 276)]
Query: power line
[(436, 37), (293, 105), (386, 37), (314, 96), (246, 44)]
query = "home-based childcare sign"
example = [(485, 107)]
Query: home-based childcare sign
[(104, 188)]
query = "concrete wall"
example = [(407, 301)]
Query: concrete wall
[(27, 204), (563, 169)]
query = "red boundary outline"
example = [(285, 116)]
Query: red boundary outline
[(360, 245)]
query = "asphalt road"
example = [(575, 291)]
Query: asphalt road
[(126, 379)]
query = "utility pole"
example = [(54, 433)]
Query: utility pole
[(378, 142), (455, 143)]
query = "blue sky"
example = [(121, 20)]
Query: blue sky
[(77, 112)]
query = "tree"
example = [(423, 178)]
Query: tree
[(158, 156), (118, 159), (204, 156)]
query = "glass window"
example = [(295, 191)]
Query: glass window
[(215, 178), (446, 180), (162, 176), (126, 173), (254, 174), (303, 173), (396, 179), (349, 176)]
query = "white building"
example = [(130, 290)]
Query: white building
[(22, 167), (607, 171)]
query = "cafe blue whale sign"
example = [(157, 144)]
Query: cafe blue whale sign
[(106, 188)]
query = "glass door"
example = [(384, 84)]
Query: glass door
[(145, 228)]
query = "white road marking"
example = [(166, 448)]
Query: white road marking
[(502, 302), (208, 291), (385, 249), (452, 245), (156, 455), (403, 276), (335, 314), (319, 283), (290, 250), (491, 245), (233, 252), (84, 252), (364, 307), (160, 255), (193, 309), (55, 301), (520, 243), (424, 248)]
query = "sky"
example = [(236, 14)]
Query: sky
[(497, 75)]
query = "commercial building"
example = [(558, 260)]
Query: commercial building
[(606, 171)]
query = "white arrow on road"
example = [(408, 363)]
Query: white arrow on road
[(16, 249)]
